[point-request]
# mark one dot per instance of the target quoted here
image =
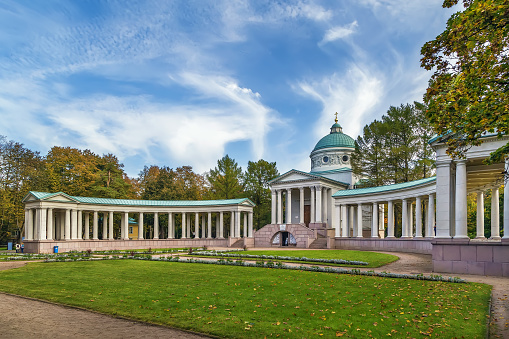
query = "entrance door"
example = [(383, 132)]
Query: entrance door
[(285, 238), (307, 214)]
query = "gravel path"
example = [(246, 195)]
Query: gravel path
[(33, 318)]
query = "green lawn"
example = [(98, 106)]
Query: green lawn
[(255, 302), (374, 259)]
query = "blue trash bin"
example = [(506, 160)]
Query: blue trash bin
[(9, 246), (55, 249)]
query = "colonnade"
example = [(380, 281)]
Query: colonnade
[(319, 199), (45, 223), (350, 218)]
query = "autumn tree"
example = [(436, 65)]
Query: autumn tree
[(468, 93), (257, 179)]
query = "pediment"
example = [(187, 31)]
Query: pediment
[(293, 175), (43, 196)]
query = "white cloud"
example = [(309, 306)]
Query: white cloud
[(338, 32), (353, 95)]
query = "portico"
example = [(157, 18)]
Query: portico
[(81, 223)]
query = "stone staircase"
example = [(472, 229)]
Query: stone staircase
[(319, 243), (238, 244)]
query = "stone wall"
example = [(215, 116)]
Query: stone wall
[(302, 234), (45, 246), (422, 246), (471, 257)]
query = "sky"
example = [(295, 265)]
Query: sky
[(174, 83)]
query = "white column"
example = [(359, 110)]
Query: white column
[(359, 220), (431, 216), (237, 224), (80, 225), (95, 230), (50, 224), (110, 226), (188, 223), (374, 221), (506, 201), (390, 219), (37, 228), (418, 217), (337, 223), (27, 217), (318, 198), (105, 226), (244, 233), (125, 226), (250, 225), (62, 225), (43, 224), (232, 224), (171, 232), (67, 224), (445, 199), (279, 209), (203, 229), (480, 216), (495, 214), (273, 210), (87, 225), (330, 206), (221, 234), (325, 205), (344, 222), (122, 230), (156, 225), (301, 205), (209, 226), (183, 225), (404, 219), (288, 206), (140, 226), (461, 200), (313, 205), (196, 225), (410, 220), (351, 222)]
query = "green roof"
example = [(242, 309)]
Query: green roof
[(337, 170), (336, 139), (386, 188), (135, 202)]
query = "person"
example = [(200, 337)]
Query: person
[(22, 247), (17, 248), (435, 229)]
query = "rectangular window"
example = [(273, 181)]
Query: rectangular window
[(130, 229)]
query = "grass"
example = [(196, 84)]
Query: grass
[(373, 259), (256, 302)]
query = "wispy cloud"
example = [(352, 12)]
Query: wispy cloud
[(353, 95), (339, 32)]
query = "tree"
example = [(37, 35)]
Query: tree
[(257, 179), (226, 181), (112, 182), (468, 93), (394, 149)]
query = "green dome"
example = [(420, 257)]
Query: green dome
[(336, 138)]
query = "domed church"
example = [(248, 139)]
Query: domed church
[(302, 201)]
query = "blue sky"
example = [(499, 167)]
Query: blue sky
[(175, 83)]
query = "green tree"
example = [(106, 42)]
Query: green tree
[(257, 179), (226, 181), (394, 149), (111, 181), (468, 93), (370, 155)]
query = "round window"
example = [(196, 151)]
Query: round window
[(345, 158), (325, 159)]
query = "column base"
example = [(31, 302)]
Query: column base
[(480, 238), (461, 237), (390, 237), (495, 238)]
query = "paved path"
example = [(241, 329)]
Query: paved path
[(32, 318)]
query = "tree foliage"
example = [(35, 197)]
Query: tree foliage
[(468, 93), (394, 149), (257, 179), (226, 180)]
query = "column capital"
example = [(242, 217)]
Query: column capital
[(301, 189), (318, 187)]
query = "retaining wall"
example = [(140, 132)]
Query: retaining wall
[(422, 246)]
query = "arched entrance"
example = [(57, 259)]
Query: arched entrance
[(283, 238)]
